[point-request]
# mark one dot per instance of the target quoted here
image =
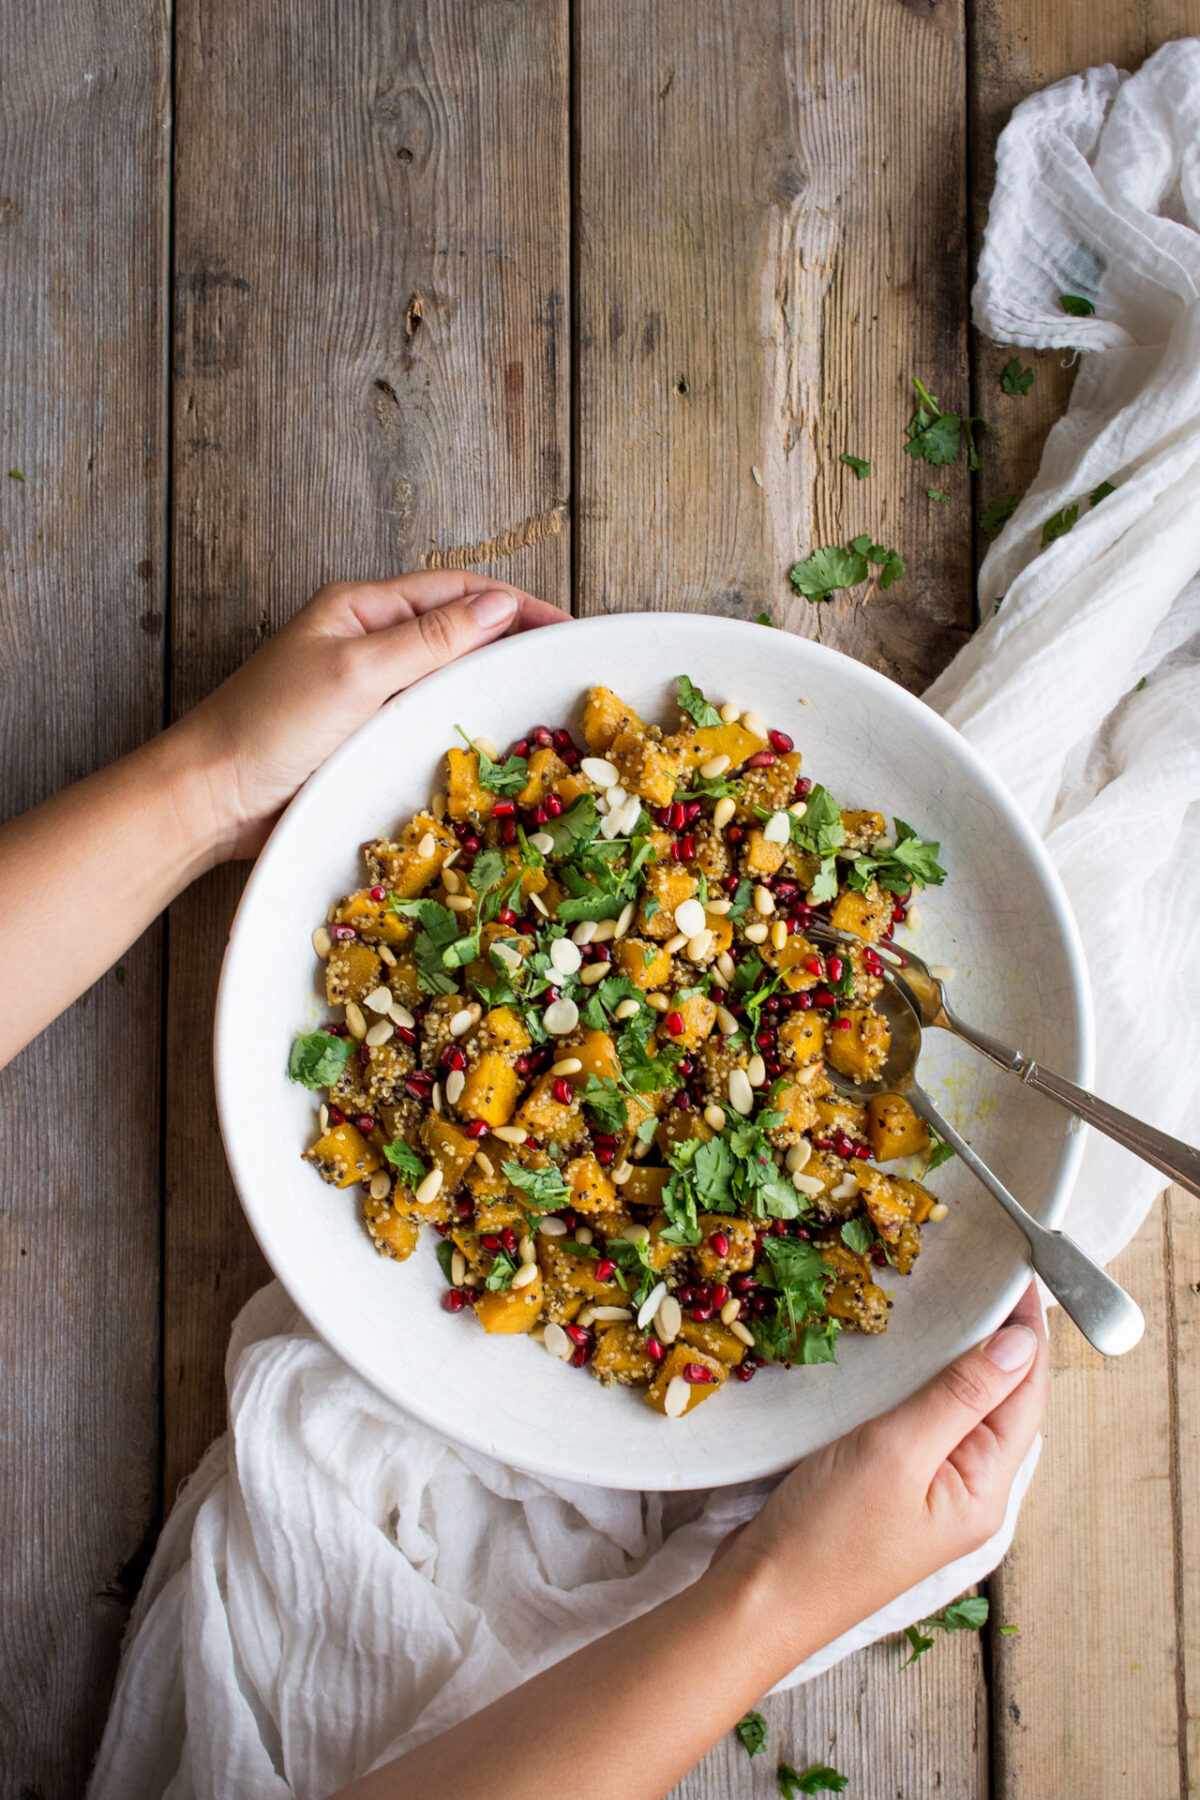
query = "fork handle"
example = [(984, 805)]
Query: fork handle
[(1175, 1159), (1108, 1317)]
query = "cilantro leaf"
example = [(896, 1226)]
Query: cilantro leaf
[(318, 1058), (968, 1614), (919, 1645), (1014, 379), (545, 1187), (858, 1235), (888, 562), (1076, 305), (820, 1779), (573, 828), (818, 1343), (861, 469), (445, 1256), (693, 703), (934, 436), (1101, 493), (911, 863), (499, 1276), (1058, 524), (763, 618), (941, 1152), (828, 570), (505, 778), (403, 1157), (998, 512), (936, 494), (752, 1730), (712, 1168), (606, 1103)]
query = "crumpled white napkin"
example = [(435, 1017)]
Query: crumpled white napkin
[(336, 1582)]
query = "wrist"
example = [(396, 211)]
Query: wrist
[(775, 1615), (201, 827)]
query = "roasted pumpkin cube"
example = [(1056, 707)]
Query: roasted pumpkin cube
[(861, 829), (920, 1201), (866, 915), (761, 857), (894, 1129), (414, 861), (679, 1127), (645, 767), (451, 1149), (802, 1037), (548, 1120), (660, 1253), (605, 716), (794, 1099), (510, 1310), (620, 1358), (591, 1190), (403, 980), (836, 1114), (679, 1357), (375, 921), (645, 1187), (698, 1015), (886, 1204), (596, 1054), (743, 1241), (351, 971), (565, 1274), (858, 1043), (491, 1088), (546, 772), (342, 1156), (700, 744), (716, 1340), (505, 1030), (667, 886), (647, 965), (792, 962), (466, 796), (769, 790), (391, 1233)]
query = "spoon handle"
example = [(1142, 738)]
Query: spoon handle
[(1108, 1318), (1177, 1160)]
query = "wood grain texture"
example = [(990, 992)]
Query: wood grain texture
[(83, 209), (371, 370), (767, 253)]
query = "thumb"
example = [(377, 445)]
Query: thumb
[(948, 1408), (402, 654)]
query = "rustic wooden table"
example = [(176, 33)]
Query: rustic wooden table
[(299, 291)]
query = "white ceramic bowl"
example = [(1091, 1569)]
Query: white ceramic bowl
[(1002, 910)]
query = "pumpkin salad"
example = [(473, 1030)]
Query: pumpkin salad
[(579, 1030)]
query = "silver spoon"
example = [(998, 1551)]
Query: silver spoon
[(1108, 1318), (925, 993)]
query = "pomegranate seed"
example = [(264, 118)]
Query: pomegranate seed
[(654, 1350), (336, 1116), (687, 848), (785, 889), (765, 1038), (554, 805), (405, 1034), (540, 815), (871, 962), (521, 747), (338, 1029), (416, 1090), (504, 809), (442, 1228), (679, 814), (490, 1240), (576, 1333), (564, 1093), (563, 740), (694, 809), (823, 997), (774, 1067), (862, 1151), (523, 1065), (742, 1284), (674, 1024), (453, 1058), (803, 788), (779, 740), (899, 914), (605, 1154), (463, 1207), (453, 1300), (508, 1238), (802, 1002), (604, 1268), (720, 1294), (579, 1357), (508, 831), (777, 1228), (745, 1371), (604, 1137), (683, 1100), (342, 934), (686, 1067), (887, 936), (762, 759), (472, 845), (702, 1312), (840, 1024), (542, 736), (878, 1256), (476, 1129), (506, 916), (571, 1217), (378, 893), (718, 1243), (813, 965), (836, 968), (736, 833), (365, 1122), (696, 1373)]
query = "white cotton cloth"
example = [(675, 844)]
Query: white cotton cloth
[(337, 1583)]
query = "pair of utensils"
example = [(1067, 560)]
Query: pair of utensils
[(913, 998)]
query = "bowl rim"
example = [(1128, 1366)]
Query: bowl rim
[(224, 1062)]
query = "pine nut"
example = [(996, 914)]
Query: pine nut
[(756, 1072), (938, 1212), (726, 967), (485, 747), (714, 767), (636, 1234), (714, 1117), (799, 809), (381, 1185), (723, 811), (583, 1235), (594, 972), (668, 1319), (757, 933), (914, 918), (651, 1304), (485, 1165), (797, 1156), (461, 1022), (584, 932), (380, 1032), (741, 1331), (625, 1009), (540, 905), (730, 1310), (599, 770), (610, 1315), (717, 909), (764, 901), (754, 725), (400, 1015), (557, 1342), (458, 1268), (387, 955), (624, 920), (605, 929), (322, 943), (451, 881), (621, 1173), (552, 1227), (379, 999), (741, 1094), (675, 943), (699, 947), (323, 1118), (438, 805), (777, 829), (461, 903), (659, 1002), (429, 1189), (509, 1134), (355, 1022), (677, 1397), (541, 840), (730, 714), (452, 857), (526, 1249), (779, 934), (525, 1274), (436, 1097), (570, 1065), (427, 845), (726, 1023), (456, 1081)]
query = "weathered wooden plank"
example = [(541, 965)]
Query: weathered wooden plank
[(371, 370), (1085, 1696), (768, 250), (83, 208)]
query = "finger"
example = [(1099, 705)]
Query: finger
[(365, 606), (532, 614), (401, 654), (937, 1418), (996, 1448)]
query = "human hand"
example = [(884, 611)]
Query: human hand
[(861, 1521), (243, 752)]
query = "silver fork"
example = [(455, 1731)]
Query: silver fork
[(926, 995)]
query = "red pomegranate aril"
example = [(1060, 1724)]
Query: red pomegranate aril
[(508, 831), (735, 834), (823, 997), (604, 1268), (464, 1207), (477, 1129), (764, 1038), (564, 1093), (742, 1284), (674, 1023), (540, 815), (719, 1296), (542, 736), (553, 804), (405, 1034), (520, 748), (899, 914), (605, 1153), (696, 1373), (687, 847), (504, 809), (453, 1300), (679, 813), (803, 788), (840, 1025), (744, 1371), (779, 740), (506, 916), (338, 1029), (784, 888), (878, 1256), (472, 845), (862, 1151), (336, 1116), (694, 809), (718, 1243), (490, 1240), (365, 1122), (579, 1357), (654, 1350), (777, 1228), (576, 1333), (762, 759), (342, 934), (563, 740), (837, 968), (802, 1002), (508, 1238), (378, 893), (774, 1067)]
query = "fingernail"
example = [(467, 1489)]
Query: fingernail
[(1012, 1348), (493, 608)]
